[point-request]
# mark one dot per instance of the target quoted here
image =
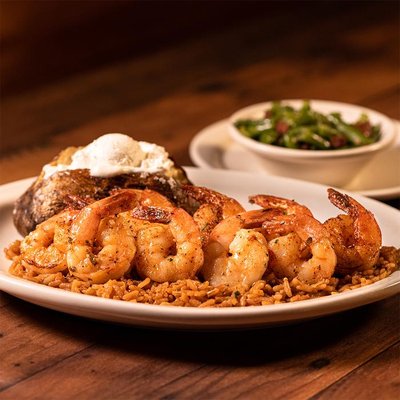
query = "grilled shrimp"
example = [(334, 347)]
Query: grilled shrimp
[(303, 248), (102, 246), (202, 195), (356, 237), (214, 207), (235, 255), (44, 249), (169, 252)]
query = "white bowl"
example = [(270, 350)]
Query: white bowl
[(329, 167)]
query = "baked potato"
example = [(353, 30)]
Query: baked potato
[(48, 196)]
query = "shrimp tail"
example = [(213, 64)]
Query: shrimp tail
[(202, 195), (275, 202), (152, 214)]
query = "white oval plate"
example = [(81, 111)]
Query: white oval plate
[(212, 147), (238, 185)]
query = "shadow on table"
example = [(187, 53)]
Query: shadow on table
[(241, 348)]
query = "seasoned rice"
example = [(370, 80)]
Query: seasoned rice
[(195, 293)]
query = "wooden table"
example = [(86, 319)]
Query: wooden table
[(332, 51)]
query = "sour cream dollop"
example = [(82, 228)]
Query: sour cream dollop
[(115, 154)]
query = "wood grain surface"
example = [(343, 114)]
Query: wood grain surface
[(191, 67)]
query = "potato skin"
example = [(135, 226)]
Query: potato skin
[(47, 197)]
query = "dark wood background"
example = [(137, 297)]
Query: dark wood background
[(161, 71), (67, 64)]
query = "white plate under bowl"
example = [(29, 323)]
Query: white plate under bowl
[(238, 185), (213, 148)]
